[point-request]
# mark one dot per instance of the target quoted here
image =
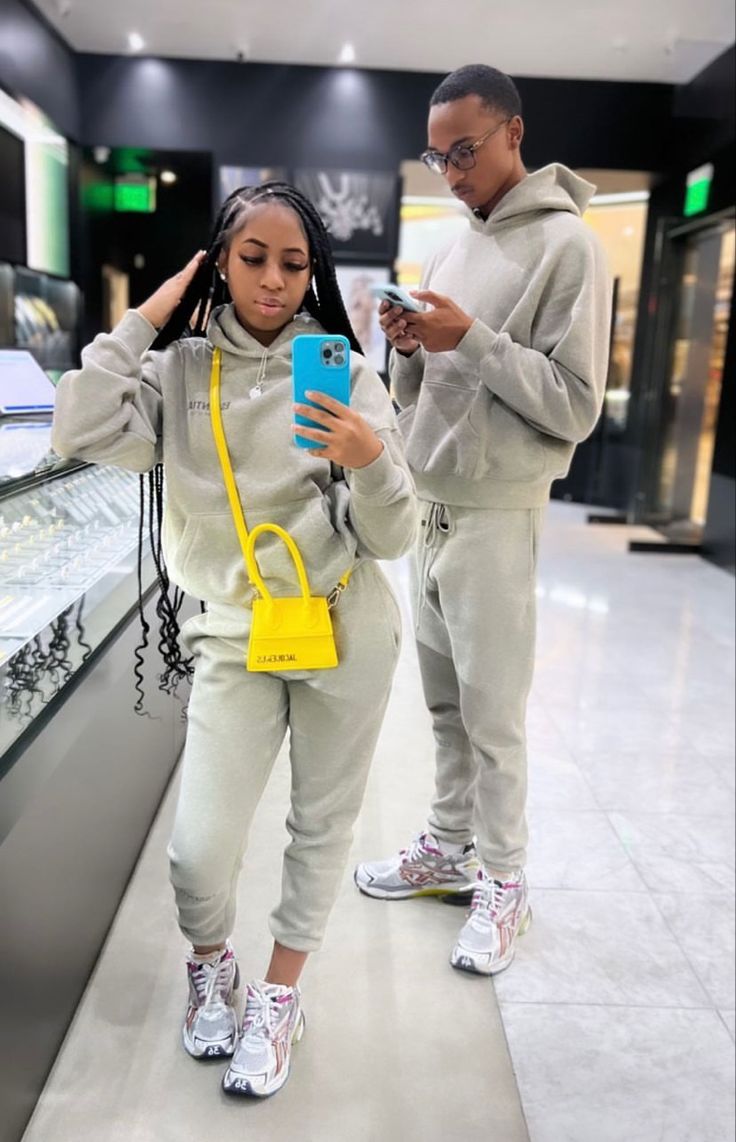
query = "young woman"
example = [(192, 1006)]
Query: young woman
[(267, 276)]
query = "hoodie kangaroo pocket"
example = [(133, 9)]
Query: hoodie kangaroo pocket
[(513, 450), (440, 439), (466, 431)]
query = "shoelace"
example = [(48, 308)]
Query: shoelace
[(491, 899), (212, 982), (262, 1016), (416, 849)]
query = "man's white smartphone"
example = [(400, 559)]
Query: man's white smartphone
[(395, 295)]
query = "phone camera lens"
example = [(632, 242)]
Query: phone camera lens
[(339, 360), (328, 354)]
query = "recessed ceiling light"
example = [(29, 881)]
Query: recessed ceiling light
[(347, 55), (168, 178), (135, 42)]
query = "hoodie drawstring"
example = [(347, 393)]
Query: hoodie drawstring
[(437, 522)]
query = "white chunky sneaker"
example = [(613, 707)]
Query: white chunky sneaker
[(273, 1021), (211, 1025), (500, 913), (426, 868)]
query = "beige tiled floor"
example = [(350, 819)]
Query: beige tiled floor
[(619, 1010)]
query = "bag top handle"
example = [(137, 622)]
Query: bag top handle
[(255, 574)]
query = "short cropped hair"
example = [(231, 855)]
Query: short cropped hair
[(496, 89)]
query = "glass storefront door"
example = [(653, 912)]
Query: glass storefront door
[(695, 378)]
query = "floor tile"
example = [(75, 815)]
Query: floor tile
[(598, 1074), (600, 947)]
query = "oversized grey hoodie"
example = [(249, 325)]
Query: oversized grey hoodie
[(492, 423), (131, 407)]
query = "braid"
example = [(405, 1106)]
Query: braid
[(203, 295)]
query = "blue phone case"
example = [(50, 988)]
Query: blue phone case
[(312, 372)]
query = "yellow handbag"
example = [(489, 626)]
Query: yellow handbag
[(286, 634)]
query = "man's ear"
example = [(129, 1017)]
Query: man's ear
[(516, 132)]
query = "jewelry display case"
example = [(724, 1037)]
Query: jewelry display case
[(81, 773)]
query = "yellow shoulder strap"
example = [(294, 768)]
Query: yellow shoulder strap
[(223, 454), (234, 498)]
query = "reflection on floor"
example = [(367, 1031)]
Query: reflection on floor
[(616, 1020)]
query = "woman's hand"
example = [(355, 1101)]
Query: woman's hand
[(392, 320), (346, 439), (161, 304)]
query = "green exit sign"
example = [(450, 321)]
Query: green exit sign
[(698, 190), (135, 195)]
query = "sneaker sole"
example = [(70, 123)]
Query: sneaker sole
[(223, 1050), (243, 1088), (412, 893), (467, 964)]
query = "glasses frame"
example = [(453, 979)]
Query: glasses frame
[(431, 159)]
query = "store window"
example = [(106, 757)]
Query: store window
[(620, 219)]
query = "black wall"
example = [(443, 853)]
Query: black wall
[(262, 114), (35, 62)]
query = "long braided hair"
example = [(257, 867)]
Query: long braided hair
[(206, 291)]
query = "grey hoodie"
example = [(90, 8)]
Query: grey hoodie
[(493, 422), (130, 407)]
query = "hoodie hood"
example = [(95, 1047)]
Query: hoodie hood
[(554, 187), (226, 333)]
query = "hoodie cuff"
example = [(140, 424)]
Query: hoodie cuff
[(376, 477), (136, 332), (479, 342)]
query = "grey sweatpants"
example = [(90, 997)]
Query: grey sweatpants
[(237, 723), (475, 617)]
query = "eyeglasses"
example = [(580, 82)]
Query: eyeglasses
[(462, 156)]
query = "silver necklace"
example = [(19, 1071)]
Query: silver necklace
[(257, 389)]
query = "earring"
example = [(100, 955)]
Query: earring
[(223, 275)]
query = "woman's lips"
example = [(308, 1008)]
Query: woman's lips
[(269, 306)]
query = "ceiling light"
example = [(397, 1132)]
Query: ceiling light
[(135, 42), (168, 178), (347, 55)]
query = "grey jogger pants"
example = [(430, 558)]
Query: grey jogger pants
[(237, 723), (475, 618)]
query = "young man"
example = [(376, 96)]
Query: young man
[(498, 380)]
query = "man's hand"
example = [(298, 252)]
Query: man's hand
[(442, 328), (346, 438), (392, 320)]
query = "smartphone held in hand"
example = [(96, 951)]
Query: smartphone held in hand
[(320, 363), (395, 295)]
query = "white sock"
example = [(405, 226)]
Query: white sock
[(449, 848), (209, 957)]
